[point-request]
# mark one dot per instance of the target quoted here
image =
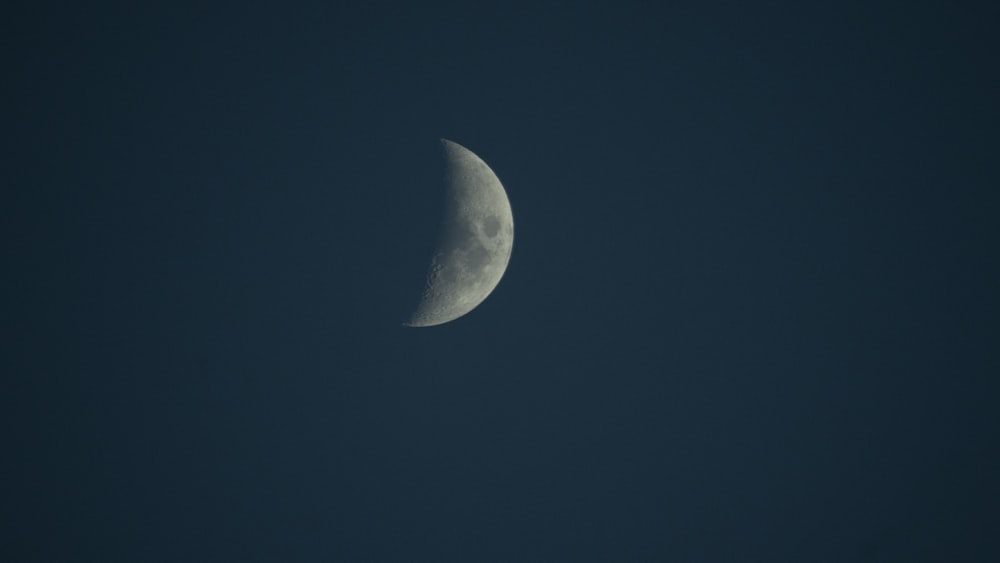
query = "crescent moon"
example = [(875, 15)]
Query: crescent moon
[(476, 241)]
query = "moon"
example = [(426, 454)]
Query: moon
[(476, 240)]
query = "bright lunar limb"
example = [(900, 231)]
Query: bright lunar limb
[(476, 242)]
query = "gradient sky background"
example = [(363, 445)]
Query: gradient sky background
[(751, 312)]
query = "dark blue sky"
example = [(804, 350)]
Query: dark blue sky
[(751, 312)]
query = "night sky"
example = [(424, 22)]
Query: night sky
[(751, 312)]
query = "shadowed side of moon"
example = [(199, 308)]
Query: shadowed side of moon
[(476, 242)]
